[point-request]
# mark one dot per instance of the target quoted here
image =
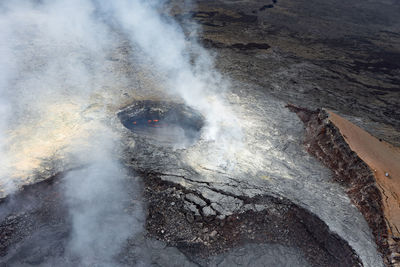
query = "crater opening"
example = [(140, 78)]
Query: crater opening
[(163, 122)]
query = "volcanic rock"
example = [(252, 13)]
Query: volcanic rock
[(270, 194), (360, 162)]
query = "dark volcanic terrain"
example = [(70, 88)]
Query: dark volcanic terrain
[(272, 203), (344, 56)]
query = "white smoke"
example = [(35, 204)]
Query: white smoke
[(188, 69), (58, 88), (97, 200), (7, 73), (58, 53), (53, 99), (52, 59)]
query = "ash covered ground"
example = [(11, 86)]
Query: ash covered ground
[(241, 191)]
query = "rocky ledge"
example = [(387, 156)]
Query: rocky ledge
[(186, 219), (366, 166), (183, 226)]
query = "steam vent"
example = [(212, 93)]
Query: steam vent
[(166, 123), (200, 133)]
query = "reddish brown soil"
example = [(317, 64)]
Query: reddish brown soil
[(368, 167)]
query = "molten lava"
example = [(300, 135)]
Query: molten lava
[(151, 123)]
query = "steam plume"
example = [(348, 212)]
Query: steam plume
[(187, 67), (58, 88), (56, 98)]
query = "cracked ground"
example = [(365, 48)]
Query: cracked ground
[(273, 204)]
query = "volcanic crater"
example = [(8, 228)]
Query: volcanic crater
[(167, 123), (198, 212)]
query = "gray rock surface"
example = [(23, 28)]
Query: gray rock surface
[(260, 255), (273, 163), (342, 56)]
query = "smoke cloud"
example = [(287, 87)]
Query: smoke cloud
[(54, 102), (188, 68), (59, 87), (98, 203)]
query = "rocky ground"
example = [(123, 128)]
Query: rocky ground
[(342, 56), (272, 204), (283, 235), (328, 143)]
